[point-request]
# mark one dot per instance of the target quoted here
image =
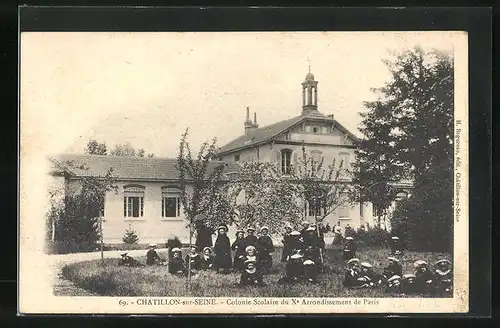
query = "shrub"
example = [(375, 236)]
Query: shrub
[(130, 236), (372, 237)]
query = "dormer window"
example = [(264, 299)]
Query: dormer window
[(315, 129), (236, 158)]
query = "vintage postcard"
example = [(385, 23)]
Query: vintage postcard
[(243, 172)]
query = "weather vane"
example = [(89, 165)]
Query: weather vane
[(309, 64)]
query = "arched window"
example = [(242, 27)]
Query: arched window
[(133, 201), (316, 129), (286, 161), (170, 202)]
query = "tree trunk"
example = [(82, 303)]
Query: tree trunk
[(189, 262), (102, 243)]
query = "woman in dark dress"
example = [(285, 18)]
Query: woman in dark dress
[(203, 235), (222, 251), (238, 247)]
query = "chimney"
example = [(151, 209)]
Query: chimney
[(248, 122), (331, 117), (255, 125)]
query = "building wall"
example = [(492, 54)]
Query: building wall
[(332, 144), (151, 227)]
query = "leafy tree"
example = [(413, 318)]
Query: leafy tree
[(261, 197), (77, 219), (199, 181), (325, 189), (130, 236), (413, 120), (96, 148)]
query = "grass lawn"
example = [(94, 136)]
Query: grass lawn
[(108, 279)]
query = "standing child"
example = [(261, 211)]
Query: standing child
[(396, 246), (238, 247), (207, 260), (250, 239), (297, 243), (287, 243), (251, 275), (266, 247), (349, 248), (222, 250), (176, 265), (310, 271), (193, 259)]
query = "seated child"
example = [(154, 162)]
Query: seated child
[(408, 285), (310, 271), (392, 269), (128, 261), (349, 248), (176, 265), (193, 259), (251, 254), (294, 268), (393, 285), (369, 278), (444, 277), (352, 273), (152, 258), (207, 260), (251, 276), (424, 279)]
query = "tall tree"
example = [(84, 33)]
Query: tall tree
[(95, 147), (414, 120), (199, 181)]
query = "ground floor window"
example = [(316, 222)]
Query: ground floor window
[(133, 202), (170, 202)]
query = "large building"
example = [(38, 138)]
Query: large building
[(321, 135), (147, 199)]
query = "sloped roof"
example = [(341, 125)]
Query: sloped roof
[(126, 168), (266, 133)]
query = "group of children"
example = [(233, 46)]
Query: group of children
[(423, 281), (303, 259)]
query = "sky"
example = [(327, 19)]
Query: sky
[(147, 88)]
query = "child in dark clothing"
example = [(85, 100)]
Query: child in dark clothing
[(251, 276), (352, 273), (239, 250), (294, 269), (176, 265), (424, 278), (222, 250), (152, 257), (444, 277), (207, 260), (349, 248), (287, 243), (396, 246), (265, 248), (193, 259), (393, 269)]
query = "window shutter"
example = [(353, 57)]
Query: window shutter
[(277, 156)]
